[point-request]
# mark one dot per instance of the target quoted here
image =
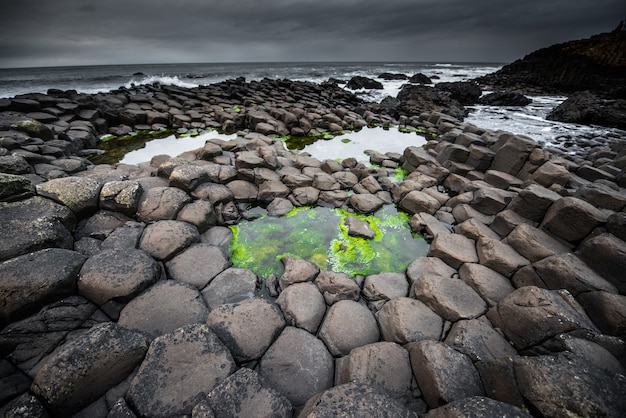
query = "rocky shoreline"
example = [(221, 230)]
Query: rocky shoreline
[(119, 298)]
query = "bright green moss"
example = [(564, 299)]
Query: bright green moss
[(320, 236)]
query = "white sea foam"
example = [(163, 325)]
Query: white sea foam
[(163, 80)]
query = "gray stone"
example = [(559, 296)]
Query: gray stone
[(417, 201), (279, 207), (442, 373), (566, 271), (602, 196), (337, 286), (123, 237), (359, 228), (348, 325), (489, 284), (164, 239), (243, 191), (33, 280), (199, 213), (245, 394), (366, 203), (214, 193), (572, 219), (297, 365), (453, 249), (606, 255), (188, 176), (475, 230), (230, 286), (270, 190), (533, 202), (383, 364), (14, 187), (506, 221), (179, 370), (404, 320), (551, 173), (355, 400), (563, 385), (164, 307), (113, 277), (511, 153), (452, 299), (606, 310), (247, 328), (83, 369), (33, 224), (379, 288), (14, 164), (425, 221), (479, 341), (296, 271), (501, 180), (499, 256), (100, 225), (303, 306), (477, 407), (424, 266), (24, 406), (490, 200), (77, 193), (304, 196), (534, 243), (198, 265), (530, 315), (121, 196), (160, 203)]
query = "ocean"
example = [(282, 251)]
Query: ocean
[(529, 120)]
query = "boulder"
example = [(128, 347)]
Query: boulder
[(360, 82), (348, 325), (511, 153), (303, 306), (359, 228), (606, 310), (586, 108), (79, 194), (533, 202), (179, 371), (566, 271), (100, 225), (424, 266), (15, 164), (15, 187), (304, 196), (296, 271), (245, 394), (83, 369), (337, 286), (606, 255), (475, 230), (417, 201), (161, 203), (533, 243), (550, 173), (452, 299), (564, 385), (34, 224), (572, 219), (466, 92), (442, 373), (602, 196), (230, 286), (112, 278), (383, 364), (504, 98), (379, 288), (125, 237), (164, 239), (247, 328), (489, 284), (121, 196), (33, 280), (477, 339), (279, 207), (490, 200), (499, 256), (453, 249), (163, 308), (198, 264), (404, 320), (530, 315), (477, 406), (297, 365), (366, 203), (188, 176)]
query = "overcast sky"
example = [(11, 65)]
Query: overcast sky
[(82, 32)]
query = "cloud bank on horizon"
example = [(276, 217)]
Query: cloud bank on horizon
[(82, 32)]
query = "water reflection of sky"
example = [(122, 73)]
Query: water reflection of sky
[(349, 144), (171, 146), (373, 139)]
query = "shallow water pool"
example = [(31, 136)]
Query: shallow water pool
[(319, 235)]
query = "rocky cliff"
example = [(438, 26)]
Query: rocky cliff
[(597, 64)]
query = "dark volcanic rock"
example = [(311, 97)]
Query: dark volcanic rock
[(595, 64), (416, 99), (504, 98), (360, 82), (588, 109), (466, 92)]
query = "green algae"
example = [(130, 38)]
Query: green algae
[(320, 236)]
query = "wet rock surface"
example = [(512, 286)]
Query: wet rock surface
[(119, 297)]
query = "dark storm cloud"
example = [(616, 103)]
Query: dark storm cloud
[(70, 32)]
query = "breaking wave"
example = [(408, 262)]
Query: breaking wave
[(163, 80)]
